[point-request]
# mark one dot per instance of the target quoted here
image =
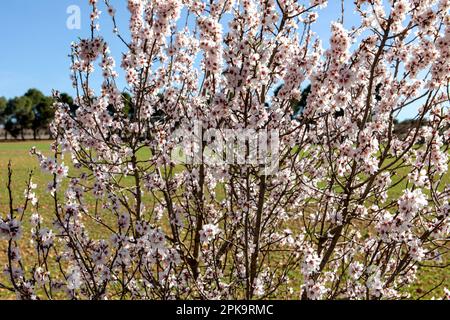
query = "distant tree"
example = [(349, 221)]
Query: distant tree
[(43, 115), (300, 105), (35, 96), (3, 103), (12, 127), (21, 115), (42, 110), (67, 99), (128, 104), (297, 106), (402, 128)]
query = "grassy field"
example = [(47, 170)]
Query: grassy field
[(23, 163)]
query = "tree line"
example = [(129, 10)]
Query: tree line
[(31, 112), (34, 112)]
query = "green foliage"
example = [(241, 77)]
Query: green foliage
[(35, 96), (42, 109), (33, 110), (21, 115), (43, 113), (128, 104), (22, 108), (298, 106), (3, 104)]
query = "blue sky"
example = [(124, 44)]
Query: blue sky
[(35, 41)]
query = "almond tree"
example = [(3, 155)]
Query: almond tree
[(326, 222)]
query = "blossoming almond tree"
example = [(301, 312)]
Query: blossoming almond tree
[(325, 224)]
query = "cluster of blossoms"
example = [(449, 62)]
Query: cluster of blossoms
[(328, 223), (211, 44), (209, 232), (10, 229), (339, 44)]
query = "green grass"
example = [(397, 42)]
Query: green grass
[(23, 163)]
